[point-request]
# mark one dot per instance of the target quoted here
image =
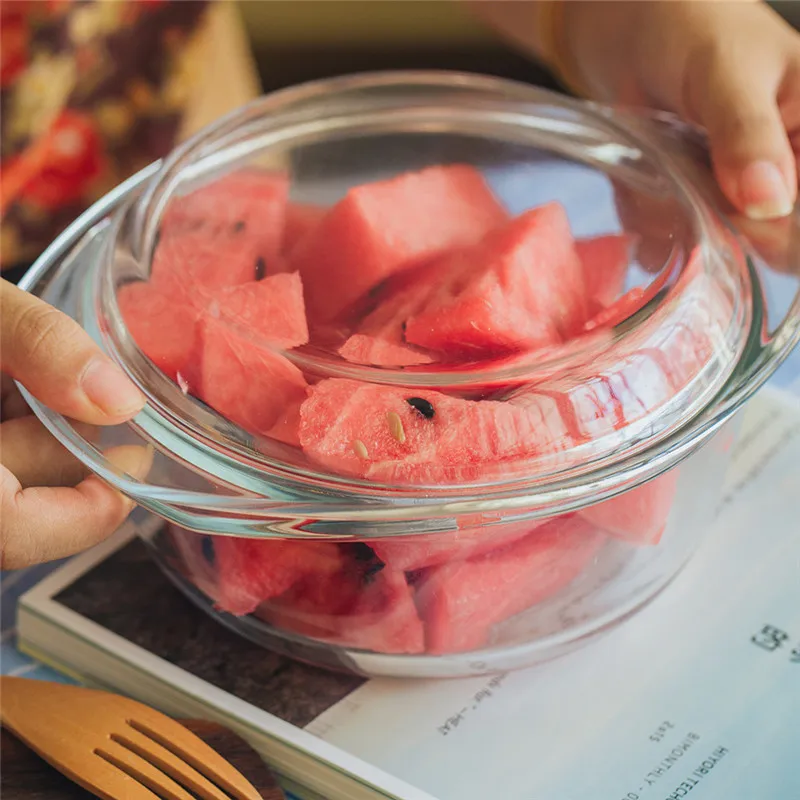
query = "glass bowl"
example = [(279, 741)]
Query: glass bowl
[(502, 478)]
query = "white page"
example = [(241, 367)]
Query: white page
[(684, 671)]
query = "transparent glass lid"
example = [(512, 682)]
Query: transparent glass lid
[(406, 286)]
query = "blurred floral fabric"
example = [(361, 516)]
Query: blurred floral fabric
[(90, 92)]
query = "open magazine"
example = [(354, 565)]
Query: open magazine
[(698, 695)]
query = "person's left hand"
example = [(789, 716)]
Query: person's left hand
[(49, 507)]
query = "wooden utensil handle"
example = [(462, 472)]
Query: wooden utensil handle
[(25, 776)]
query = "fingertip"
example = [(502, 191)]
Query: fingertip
[(753, 159), (132, 460), (110, 390), (58, 363), (765, 192)]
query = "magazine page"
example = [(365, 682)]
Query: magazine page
[(699, 694)]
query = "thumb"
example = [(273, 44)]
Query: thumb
[(57, 361), (750, 149)]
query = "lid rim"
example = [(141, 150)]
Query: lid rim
[(511, 495)]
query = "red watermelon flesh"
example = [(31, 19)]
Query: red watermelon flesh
[(497, 378), (162, 326), (691, 341), (604, 261), (271, 309), (250, 203), (195, 264), (640, 515), (250, 385), (376, 614), (165, 326), (301, 219), (418, 552), (286, 427), (380, 337), (520, 288), (461, 601), (627, 305), (251, 571), (314, 607), (620, 310), (346, 426), (377, 351), (643, 373), (381, 228), (664, 360), (627, 391)]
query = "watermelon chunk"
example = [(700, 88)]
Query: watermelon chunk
[(418, 552), (380, 228), (380, 338), (461, 601), (286, 427), (166, 327), (604, 261), (250, 385), (314, 607), (376, 614), (271, 309), (250, 203), (377, 351), (520, 288), (301, 219), (352, 428), (251, 571), (162, 326), (640, 515), (196, 264)]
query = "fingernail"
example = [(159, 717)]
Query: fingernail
[(765, 194), (110, 389)]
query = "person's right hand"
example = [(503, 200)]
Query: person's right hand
[(49, 508)]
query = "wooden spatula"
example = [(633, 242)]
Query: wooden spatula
[(115, 747)]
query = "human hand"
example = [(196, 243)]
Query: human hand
[(49, 508), (731, 67)]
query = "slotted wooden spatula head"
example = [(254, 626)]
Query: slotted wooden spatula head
[(115, 747)]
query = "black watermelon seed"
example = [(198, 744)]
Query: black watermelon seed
[(372, 570), (376, 290), (363, 552), (208, 549), (239, 227), (415, 576), (261, 268), (422, 406)]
